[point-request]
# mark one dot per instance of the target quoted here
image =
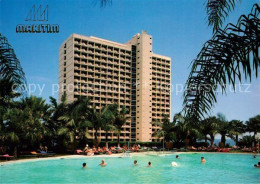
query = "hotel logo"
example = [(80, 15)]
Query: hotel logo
[(38, 15)]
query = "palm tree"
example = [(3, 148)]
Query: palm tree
[(12, 129), (24, 124), (54, 123), (253, 125), (167, 129), (38, 112), (223, 127), (12, 76), (121, 117), (76, 120), (247, 140), (108, 119), (96, 118), (236, 128), (38, 106), (10, 68), (230, 55), (208, 126), (184, 130)]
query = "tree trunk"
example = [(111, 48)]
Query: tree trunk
[(74, 144), (223, 139), (96, 138), (211, 142), (118, 139), (206, 139), (96, 134), (212, 138), (236, 140), (255, 139), (15, 151), (187, 142), (106, 139)]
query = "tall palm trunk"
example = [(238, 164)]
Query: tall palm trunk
[(206, 139), (187, 140), (223, 139), (74, 144), (236, 140), (96, 139), (211, 139), (255, 139), (106, 139), (118, 139), (15, 151)]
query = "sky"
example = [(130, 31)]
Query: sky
[(179, 29)]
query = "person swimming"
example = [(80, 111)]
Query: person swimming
[(174, 164), (135, 162), (84, 165), (149, 164), (254, 156), (103, 163), (177, 156), (257, 166), (202, 160)]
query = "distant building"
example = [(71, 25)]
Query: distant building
[(128, 74)]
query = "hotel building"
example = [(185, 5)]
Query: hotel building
[(128, 74)]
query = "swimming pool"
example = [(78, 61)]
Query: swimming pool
[(219, 168)]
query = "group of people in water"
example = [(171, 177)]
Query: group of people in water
[(258, 164), (103, 164), (173, 164)]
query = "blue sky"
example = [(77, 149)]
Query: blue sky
[(179, 29)]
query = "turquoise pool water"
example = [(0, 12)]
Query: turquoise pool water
[(219, 168)]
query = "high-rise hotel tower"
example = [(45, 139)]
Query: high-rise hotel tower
[(128, 74)]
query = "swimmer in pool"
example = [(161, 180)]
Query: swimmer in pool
[(177, 156), (103, 163), (149, 164), (257, 166), (135, 162), (84, 165), (202, 160), (174, 164)]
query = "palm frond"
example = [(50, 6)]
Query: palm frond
[(217, 11), (104, 3), (157, 123), (63, 131), (53, 102), (223, 60), (10, 67)]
